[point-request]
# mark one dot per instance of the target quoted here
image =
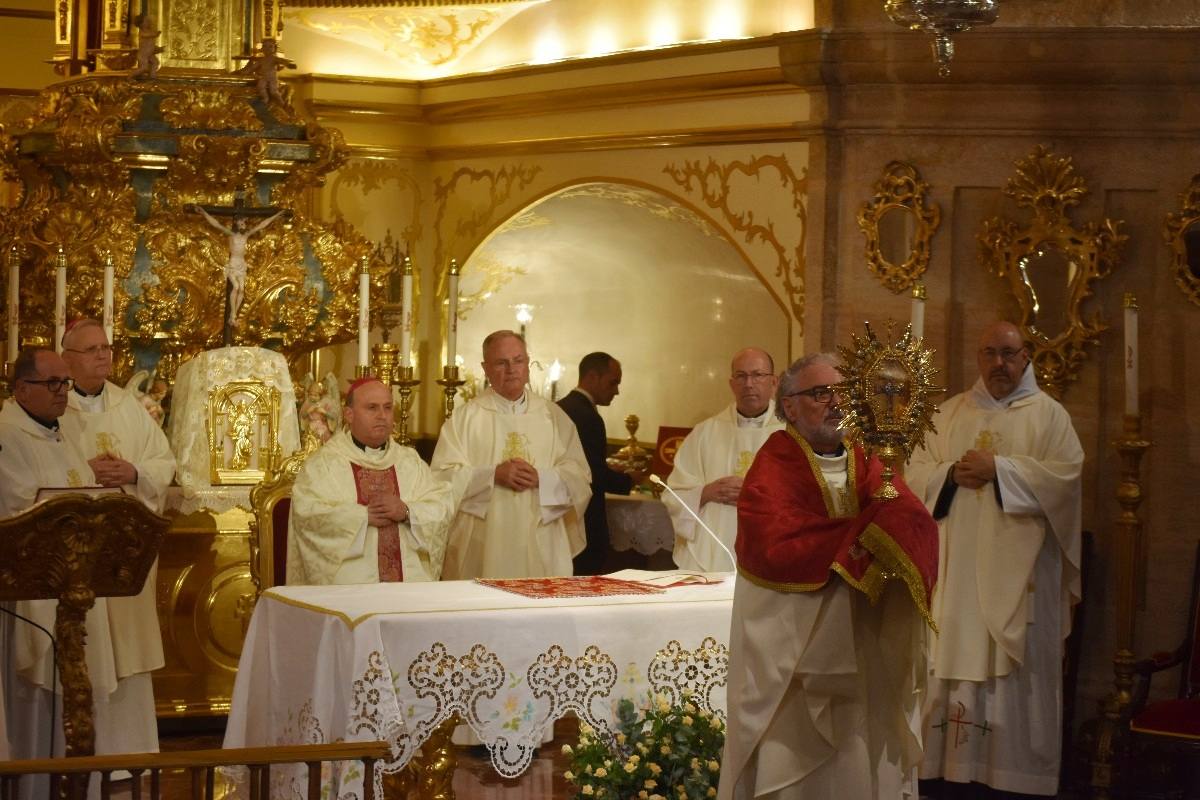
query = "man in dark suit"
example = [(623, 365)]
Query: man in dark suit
[(599, 382)]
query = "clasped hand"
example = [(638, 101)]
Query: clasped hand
[(516, 474), (723, 490), (974, 469), (111, 470), (383, 511)]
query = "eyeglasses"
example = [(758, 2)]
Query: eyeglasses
[(819, 394), (505, 363), (751, 377), (54, 385), (91, 351), (1008, 355)]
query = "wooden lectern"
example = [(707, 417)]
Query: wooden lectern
[(74, 548)]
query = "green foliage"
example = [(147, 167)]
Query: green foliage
[(664, 752)]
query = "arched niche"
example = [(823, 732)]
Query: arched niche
[(631, 271)]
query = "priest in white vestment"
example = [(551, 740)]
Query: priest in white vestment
[(830, 609), (35, 454), (125, 448), (713, 459), (1002, 476), (365, 509), (518, 473)]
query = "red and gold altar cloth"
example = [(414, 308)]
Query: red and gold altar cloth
[(569, 586)]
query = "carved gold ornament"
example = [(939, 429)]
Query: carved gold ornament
[(111, 165), (1051, 265), (887, 388), (713, 182), (899, 225), (243, 418), (1182, 232), (75, 548)]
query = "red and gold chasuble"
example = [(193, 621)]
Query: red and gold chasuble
[(375, 483), (790, 540)]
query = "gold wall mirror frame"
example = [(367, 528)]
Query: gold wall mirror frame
[(1182, 232), (1051, 265), (899, 224)]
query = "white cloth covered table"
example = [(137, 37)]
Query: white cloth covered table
[(394, 661), (187, 427), (639, 523)]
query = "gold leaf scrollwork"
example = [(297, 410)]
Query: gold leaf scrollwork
[(572, 684), (714, 183), (900, 194), (1051, 265), (675, 672), (1182, 232), (209, 109), (499, 186)]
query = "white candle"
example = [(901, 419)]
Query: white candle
[(14, 304), (107, 310), (452, 314), (1131, 355), (406, 306), (60, 299), (918, 310), (364, 315)]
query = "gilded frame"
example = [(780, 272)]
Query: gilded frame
[(263, 499), (1175, 232), (901, 187), (1048, 185), (257, 407)]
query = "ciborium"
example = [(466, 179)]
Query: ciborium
[(886, 388)]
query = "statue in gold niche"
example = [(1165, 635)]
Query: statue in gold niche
[(241, 429)]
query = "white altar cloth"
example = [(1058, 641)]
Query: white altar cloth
[(393, 661)]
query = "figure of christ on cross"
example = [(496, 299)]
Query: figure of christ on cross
[(235, 268)]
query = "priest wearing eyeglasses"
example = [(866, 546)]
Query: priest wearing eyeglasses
[(830, 608), (42, 446), (713, 459), (1002, 476)]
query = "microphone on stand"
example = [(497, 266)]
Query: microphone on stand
[(659, 482)]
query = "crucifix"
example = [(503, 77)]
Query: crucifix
[(235, 268)]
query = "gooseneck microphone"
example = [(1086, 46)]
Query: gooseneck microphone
[(660, 482)]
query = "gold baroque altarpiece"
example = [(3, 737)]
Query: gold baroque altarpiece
[(109, 165)]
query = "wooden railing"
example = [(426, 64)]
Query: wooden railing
[(202, 766)]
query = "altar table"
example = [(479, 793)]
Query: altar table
[(395, 661)]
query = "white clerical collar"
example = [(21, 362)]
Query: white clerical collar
[(1025, 388), (91, 403), (366, 448), (752, 422), (585, 393), (506, 406)]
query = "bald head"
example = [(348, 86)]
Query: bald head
[(88, 354), (1002, 358), (752, 380)]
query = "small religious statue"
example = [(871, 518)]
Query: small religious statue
[(151, 392), (235, 269), (319, 413), (241, 432), (265, 66), (148, 49)]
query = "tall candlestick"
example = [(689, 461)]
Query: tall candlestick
[(107, 310), (452, 313), (406, 306), (364, 313), (1131, 354), (918, 310), (14, 302), (60, 298)]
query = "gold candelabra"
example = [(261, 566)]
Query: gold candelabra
[(450, 383), (405, 383), (1110, 737), (385, 358)]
